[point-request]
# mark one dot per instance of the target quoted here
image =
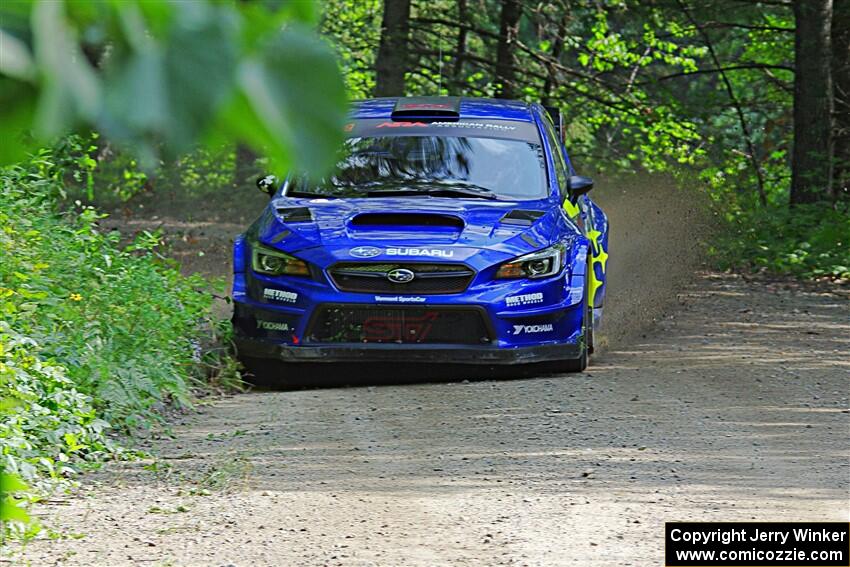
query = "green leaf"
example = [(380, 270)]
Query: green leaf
[(200, 63), (301, 113), (17, 108), (70, 87), (10, 511), (11, 483), (140, 79), (15, 58)]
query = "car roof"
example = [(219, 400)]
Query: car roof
[(479, 108)]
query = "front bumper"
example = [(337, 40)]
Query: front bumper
[(524, 321), (464, 354)]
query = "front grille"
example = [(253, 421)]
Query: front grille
[(376, 324), (365, 277)]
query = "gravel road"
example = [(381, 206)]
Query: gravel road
[(732, 405), (735, 407)]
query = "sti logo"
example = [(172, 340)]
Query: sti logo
[(364, 252), (393, 329)]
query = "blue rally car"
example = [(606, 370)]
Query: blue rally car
[(452, 230)]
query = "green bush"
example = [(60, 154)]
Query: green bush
[(48, 423), (100, 173), (92, 336), (808, 241)]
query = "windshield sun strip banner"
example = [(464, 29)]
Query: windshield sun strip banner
[(469, 128)]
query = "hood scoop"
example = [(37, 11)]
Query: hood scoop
[(295, 214), (520, 217), (406, 220)]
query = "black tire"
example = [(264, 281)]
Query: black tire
[(580, 364), (264, 372)]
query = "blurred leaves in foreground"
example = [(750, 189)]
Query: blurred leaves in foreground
[(164, 77), (9, 507)]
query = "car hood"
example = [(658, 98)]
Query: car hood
[(439, 223)]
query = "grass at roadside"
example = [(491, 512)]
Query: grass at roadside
[(94, 339), (808, 242)]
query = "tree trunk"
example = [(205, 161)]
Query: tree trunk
[(811, 161), (841, 88), (462, 17), (245, 170), (391, 62), (508, 29), (557, 47)]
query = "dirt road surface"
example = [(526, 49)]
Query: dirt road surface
[(728, 402)]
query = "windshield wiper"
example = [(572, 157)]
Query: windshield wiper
[(438, 189), (309, 194)]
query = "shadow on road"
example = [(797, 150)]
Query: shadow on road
[(329, 375)]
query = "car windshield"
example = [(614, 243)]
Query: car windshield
[(469, 167)]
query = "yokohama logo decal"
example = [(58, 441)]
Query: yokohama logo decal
[(272, 326), (532, 329)]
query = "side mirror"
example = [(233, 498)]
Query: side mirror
[(579, 185), (267, 184)]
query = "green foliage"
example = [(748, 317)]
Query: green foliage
[(10, 507), (808, 241), (49, 423), (91, 333), (641, 88), (93, 305), (97, 173), (355, 27), (618, 118), (204, 169), (636, 81), (163, 77), (92, 336)]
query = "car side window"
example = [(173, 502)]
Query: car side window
[(557, 157)]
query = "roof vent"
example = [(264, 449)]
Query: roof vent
[(427, 108)]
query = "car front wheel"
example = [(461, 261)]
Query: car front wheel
[(580, 364)]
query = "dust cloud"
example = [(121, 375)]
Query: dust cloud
[(656, 244)]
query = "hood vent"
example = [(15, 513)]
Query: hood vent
[(295, 214), (406, 219), (519, 217)]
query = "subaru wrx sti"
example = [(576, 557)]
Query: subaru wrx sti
[(452, 230)]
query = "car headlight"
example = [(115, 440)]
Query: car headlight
[(276, 263), (541, 264)]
